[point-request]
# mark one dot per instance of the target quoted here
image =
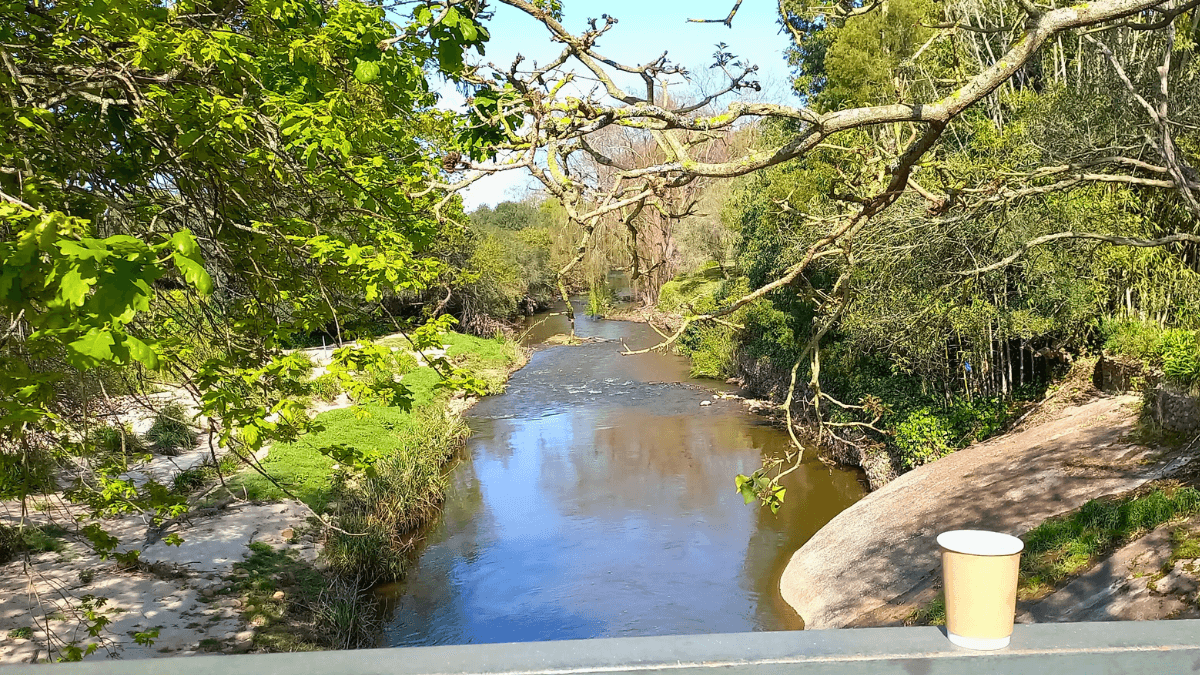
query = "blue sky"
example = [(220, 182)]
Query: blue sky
[(644, 30)]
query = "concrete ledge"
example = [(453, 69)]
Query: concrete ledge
[(1058, 649)]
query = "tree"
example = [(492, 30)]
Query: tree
[(529, 119), (186, 187)]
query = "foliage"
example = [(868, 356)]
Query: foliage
[(1181, 357), (402, 493), (207, 473), (711, 349), (1175, 350), (370, 435), (185, 190), (327, 387), (116, 440), (694, 290), (922, 437), (15, 541), (1061, 546), (347, 617), (170, 432), (281, 595), (600, 298), (932, 613)]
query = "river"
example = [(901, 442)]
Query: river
[(595, 498)]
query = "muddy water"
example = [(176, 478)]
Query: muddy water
[(596, 499)]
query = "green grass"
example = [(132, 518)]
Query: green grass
[(383, 431), (1066, 545), (409, 449), (1185, 545), (170, 433), (30, 540), (932, 613), (23, 633), (693, 289), (404, 493)]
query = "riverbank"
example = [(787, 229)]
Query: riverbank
[(876, 562), (256, 570)]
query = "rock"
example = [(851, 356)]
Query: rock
[(1177, 582), (240, 647), (704, 403), (287, 533), (278, 595)]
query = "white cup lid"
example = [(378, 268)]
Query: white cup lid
[(980, 542)]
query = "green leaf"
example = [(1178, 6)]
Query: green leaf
[(95, 345), (468, 31), (73, 288), (142, 352), (366, 71), (194, 273)]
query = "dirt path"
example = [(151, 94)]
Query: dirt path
[(876, 561)]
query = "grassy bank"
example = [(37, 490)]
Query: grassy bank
[(1063, 547), (292, 604), (384, 509)]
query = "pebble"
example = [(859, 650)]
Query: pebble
[(704, 403)]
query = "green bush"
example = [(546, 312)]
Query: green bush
[(326, 387), (205, 474), (600, 298), (108, 441), (1137, 339), (1181, 357), (406, 362), (711, 348), (16, 541), (170, 434), (403, 494), (1175, 350), (923, 437), (696, 289), (26, 473)]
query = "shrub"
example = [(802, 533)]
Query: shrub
[(1181, 357), (387, 507), (923, 437), (16, 541), (711, 349), (26, 473), (326, 387), (346, 616), (118, 441), (600, 298), (406, 363), (170, 433), (1137, 339), (197, 477)]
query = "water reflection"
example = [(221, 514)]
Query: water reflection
[(597, 499)]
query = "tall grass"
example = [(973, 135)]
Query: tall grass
[(170, 434), (1062, 546), (384, 510)]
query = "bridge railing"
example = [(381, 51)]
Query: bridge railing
[(1153, 647)]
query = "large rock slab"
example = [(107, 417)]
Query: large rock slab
[(882, 549)]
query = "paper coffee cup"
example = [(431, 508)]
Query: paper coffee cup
[(979, 570)]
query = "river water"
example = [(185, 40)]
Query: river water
[(595, 498)]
